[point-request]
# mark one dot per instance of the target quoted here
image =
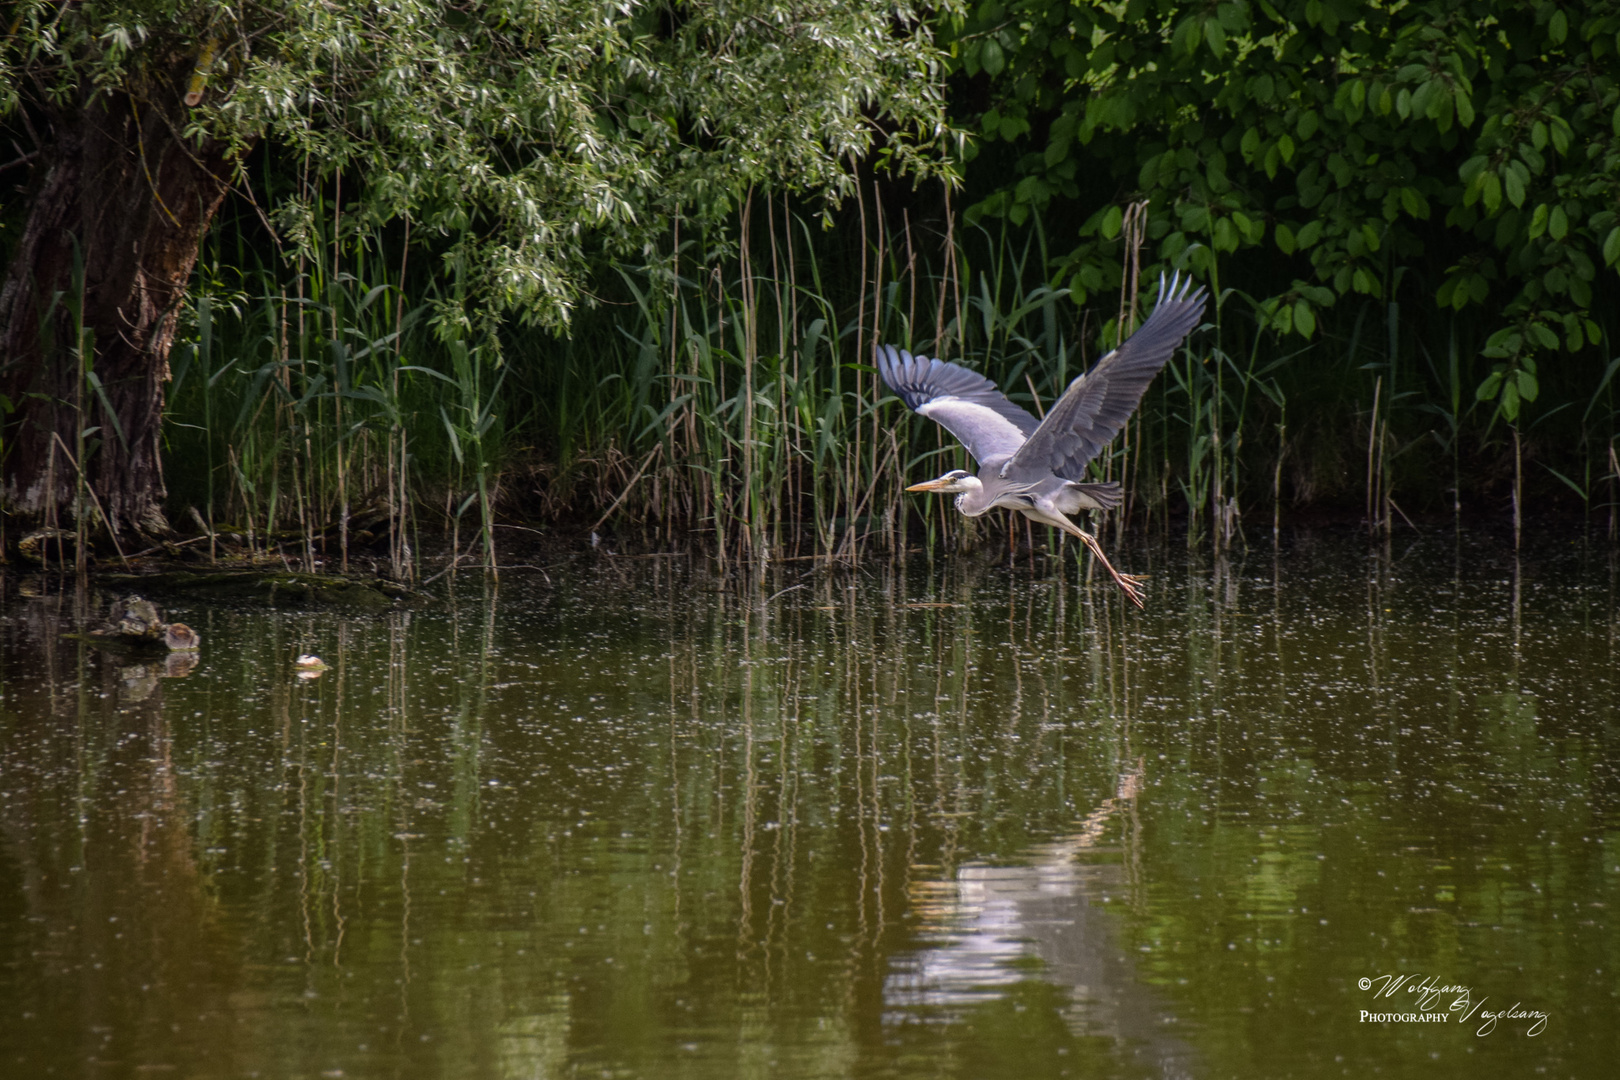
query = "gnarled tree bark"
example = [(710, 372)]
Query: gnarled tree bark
[(120, 193)]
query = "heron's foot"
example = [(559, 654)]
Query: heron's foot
[(1129, 584), (1131, 588)]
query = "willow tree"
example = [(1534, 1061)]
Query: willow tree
[(518, 131)]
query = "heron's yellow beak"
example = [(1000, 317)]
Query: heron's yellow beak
[(929, 485)]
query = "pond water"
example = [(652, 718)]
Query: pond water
[(943, 819)]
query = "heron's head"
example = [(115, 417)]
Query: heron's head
[(957, 481)]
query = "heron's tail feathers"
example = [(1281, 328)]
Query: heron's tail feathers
[(1106, 496)]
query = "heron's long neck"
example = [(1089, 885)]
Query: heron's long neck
[(972, 501)]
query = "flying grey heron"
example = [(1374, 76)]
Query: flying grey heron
[(1037, 467)]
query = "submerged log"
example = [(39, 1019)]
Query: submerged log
[(278, 588)]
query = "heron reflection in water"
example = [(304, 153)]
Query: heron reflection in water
[(1037, 466)]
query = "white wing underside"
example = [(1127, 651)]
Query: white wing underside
[(986, 433)]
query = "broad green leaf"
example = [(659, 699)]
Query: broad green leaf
[(1304, 318), (1558, 223), (1285, 238), (1514, 186), (1538, 221), (1509, 401), (1111, 222), (991, 58), (1560, 135), (1558, 27)]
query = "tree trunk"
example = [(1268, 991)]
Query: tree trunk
[(123, 197)]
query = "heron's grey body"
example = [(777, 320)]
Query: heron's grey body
[(1037, 466)]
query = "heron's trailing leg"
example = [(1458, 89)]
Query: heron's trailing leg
[(1130, 584)]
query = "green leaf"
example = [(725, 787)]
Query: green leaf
[(1560, 135), (1528, 387), (1185, 40), (1215, 34), (1488, 389), (1538, 221), (1558, 223), (1611, 246), (1558, 27), (1413, 202), (991, 58), (1514, 186), (1310, 233), (1447, 292), (1111, 222), (1509, 402), (1285, 238), (1304, 318), (1465, 110)]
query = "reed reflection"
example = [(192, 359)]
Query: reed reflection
[(843, 821)]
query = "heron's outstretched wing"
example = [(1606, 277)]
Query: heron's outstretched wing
[(966, 404), (1096, 405)]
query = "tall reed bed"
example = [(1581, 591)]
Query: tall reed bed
[(722, 392)]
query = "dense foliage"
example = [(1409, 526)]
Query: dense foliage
[(528, 130), (1464, 151), (1407, 212)]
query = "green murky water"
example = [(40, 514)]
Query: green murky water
[(948, 820)]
